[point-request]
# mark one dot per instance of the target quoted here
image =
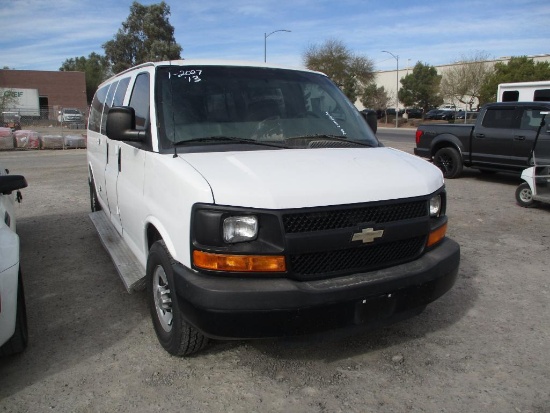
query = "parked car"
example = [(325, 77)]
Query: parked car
[(414, 113), (13, 316), (391, 112), (432, 114), (500, 140), (440, 114), (67, 115), (11, 120), (469, 115)]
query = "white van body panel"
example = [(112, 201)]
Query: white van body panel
[(302, 178), (526, 90), (170, 188)]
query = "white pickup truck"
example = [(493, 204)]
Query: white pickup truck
[(254, 201)]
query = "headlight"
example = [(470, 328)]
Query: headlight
[(435, 206), (240, 229)]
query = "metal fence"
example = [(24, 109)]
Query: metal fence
[(53, 128)]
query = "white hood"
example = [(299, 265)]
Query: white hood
[(297, 178)]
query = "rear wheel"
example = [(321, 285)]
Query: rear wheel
[(18, 342), (177, 336), (449, 161), (524, 196)]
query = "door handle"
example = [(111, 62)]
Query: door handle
[(519, 138), (119, 163), (480, 135)]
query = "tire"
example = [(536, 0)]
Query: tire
[(18, 342), (94, 202), (177, 336), (524, 196), (449, 161)]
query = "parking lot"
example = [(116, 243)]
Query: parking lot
[(483, 347)]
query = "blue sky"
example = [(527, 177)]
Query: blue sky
[(41, 35)]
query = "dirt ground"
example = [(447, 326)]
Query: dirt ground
[(483, 347)]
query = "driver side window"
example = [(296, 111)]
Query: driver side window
[(140, 100)]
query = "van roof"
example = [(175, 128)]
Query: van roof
[(210, 62)]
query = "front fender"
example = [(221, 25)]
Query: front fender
[(446, 140)]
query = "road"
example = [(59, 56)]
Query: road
[(483, 347)]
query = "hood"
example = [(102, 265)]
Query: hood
[(297, 178)]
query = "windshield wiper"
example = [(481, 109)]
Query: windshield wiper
[(333, 138), (224, 139)]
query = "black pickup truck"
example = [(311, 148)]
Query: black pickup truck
[(500, 140)]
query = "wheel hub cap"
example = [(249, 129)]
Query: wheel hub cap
[(163, 299)]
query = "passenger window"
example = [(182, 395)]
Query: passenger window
[(121, 92), (502, 118), (542, 95), (510, 96), (530, 119), (115, 97), (96, 110), (107, 106), (140, 100)]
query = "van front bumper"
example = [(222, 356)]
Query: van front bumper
[(237, 308)]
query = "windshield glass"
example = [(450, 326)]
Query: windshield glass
[(254, 105)]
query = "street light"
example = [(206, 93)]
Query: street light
[(396, 88), (265, 41)]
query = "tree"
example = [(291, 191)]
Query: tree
[(96, 68), (375, 97), (421, 87), (462, 82), (518, 69), (348, 71), (145, 36)]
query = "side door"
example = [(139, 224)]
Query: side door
[(524, 138), (115, 97), (493, 136), (131, 167), (97, 145)]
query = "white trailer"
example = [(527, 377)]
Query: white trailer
[(23, 101), (524, 92)]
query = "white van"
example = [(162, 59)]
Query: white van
[(524, 92), (254, 201)]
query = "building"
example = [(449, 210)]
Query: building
[(390, 79), (56, 90)]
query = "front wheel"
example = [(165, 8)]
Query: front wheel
[(177, 336), (449, 161), (524, 196)]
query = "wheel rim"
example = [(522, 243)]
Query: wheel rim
[(163, 299), (445, 162), (526, 195)]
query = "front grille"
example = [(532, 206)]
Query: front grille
[(365, 258), (353, 216)]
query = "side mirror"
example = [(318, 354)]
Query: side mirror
[(371, 119), (9, 183), (121, 125)]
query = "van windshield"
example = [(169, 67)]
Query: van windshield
[(289, 108)]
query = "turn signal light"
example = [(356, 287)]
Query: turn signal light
[(437, 235), (239, 263)]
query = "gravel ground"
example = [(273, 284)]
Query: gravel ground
[(483, 347)]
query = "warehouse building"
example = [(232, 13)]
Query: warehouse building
[(56, 89), (391, 79)]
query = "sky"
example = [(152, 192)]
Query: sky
[(41, 35)]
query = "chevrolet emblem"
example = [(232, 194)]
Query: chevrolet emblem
[(367, 235)]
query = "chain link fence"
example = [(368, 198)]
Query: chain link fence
[(52, 127)]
